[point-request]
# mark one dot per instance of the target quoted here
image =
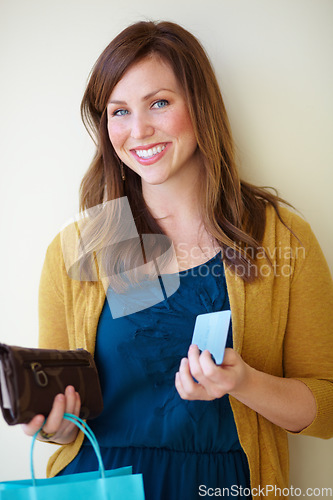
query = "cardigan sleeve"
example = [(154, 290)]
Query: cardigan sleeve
[(308, 344), (52, 311)]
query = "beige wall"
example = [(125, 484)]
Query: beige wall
[(275, 65)]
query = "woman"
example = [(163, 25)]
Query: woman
[(192, 427)]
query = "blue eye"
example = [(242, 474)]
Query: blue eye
[(161, 103), (120, 112)]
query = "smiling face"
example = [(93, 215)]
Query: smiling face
[(149, 124)]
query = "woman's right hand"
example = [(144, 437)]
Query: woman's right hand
[(62, 431)]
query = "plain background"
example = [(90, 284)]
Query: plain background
[(274, 61)]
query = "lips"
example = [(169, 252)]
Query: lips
[(146, 155)]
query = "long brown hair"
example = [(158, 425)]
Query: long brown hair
[(233, 210)]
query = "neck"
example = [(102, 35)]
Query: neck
[(176, 208), (176, 199)]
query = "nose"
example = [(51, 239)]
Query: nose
[(141, 126)]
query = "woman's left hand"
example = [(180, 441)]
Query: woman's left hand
[(199, 378), (286, 402)]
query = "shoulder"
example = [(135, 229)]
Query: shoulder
[(291, 227), (67, 258), (59, 255), (54, 251), (54, 260), (293, 240), (53, 271)]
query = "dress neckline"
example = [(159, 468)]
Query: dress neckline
[(207, 263)]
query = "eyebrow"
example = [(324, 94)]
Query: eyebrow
[(148, 96)]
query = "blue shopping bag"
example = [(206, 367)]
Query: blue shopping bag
[(117, 484)]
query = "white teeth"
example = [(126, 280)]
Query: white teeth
[(149, 153)]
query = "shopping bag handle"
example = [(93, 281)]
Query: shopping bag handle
[(84, 427)]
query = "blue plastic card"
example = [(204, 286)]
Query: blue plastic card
[(211, 331)]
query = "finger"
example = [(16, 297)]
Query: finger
[(201, 373), (210, 370), (230, 357), (77, 404), (197, 394), (190, 387), (180, 387), (194, 363), (70, 403), (185, 376), (214, 381), (34, 425), (70, 395), (74, 407), (55, 418)]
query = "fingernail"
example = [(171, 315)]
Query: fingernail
[(60, 397)]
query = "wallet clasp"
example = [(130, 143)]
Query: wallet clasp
[(39, 374)]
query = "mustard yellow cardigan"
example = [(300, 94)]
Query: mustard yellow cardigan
[(282, 325)]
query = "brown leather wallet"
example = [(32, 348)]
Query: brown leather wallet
[(31, 378)]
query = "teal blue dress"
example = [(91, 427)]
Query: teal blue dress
[(182, 448)]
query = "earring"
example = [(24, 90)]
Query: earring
[(122, 171)]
